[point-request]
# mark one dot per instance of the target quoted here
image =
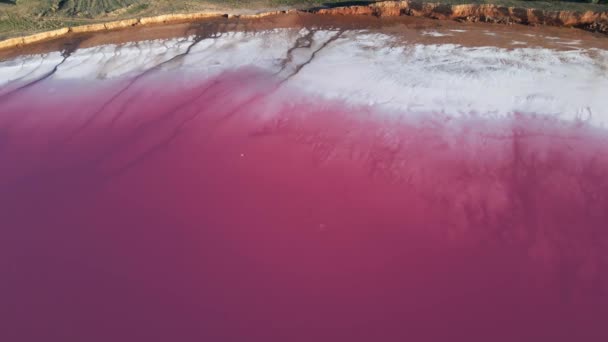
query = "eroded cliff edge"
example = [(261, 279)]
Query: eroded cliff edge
[(589, 20)]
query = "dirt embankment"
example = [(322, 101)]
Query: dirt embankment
[(590, 21), (120, 24)]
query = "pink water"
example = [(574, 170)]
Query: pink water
[(212, 210)]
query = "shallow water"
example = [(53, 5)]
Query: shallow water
[(306, 183)]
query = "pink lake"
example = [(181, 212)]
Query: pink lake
[(199, 201)]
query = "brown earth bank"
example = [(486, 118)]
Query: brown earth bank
[(405, 29), (589, 21), (121, 24)]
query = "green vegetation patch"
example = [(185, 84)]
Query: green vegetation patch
[(88, 8)]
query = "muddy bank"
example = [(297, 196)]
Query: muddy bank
[(404, 29), (590, 21), (121, 24)]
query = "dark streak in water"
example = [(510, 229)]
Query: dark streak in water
[(312, 56), (204, 31), (167, 140), (65, 53)]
